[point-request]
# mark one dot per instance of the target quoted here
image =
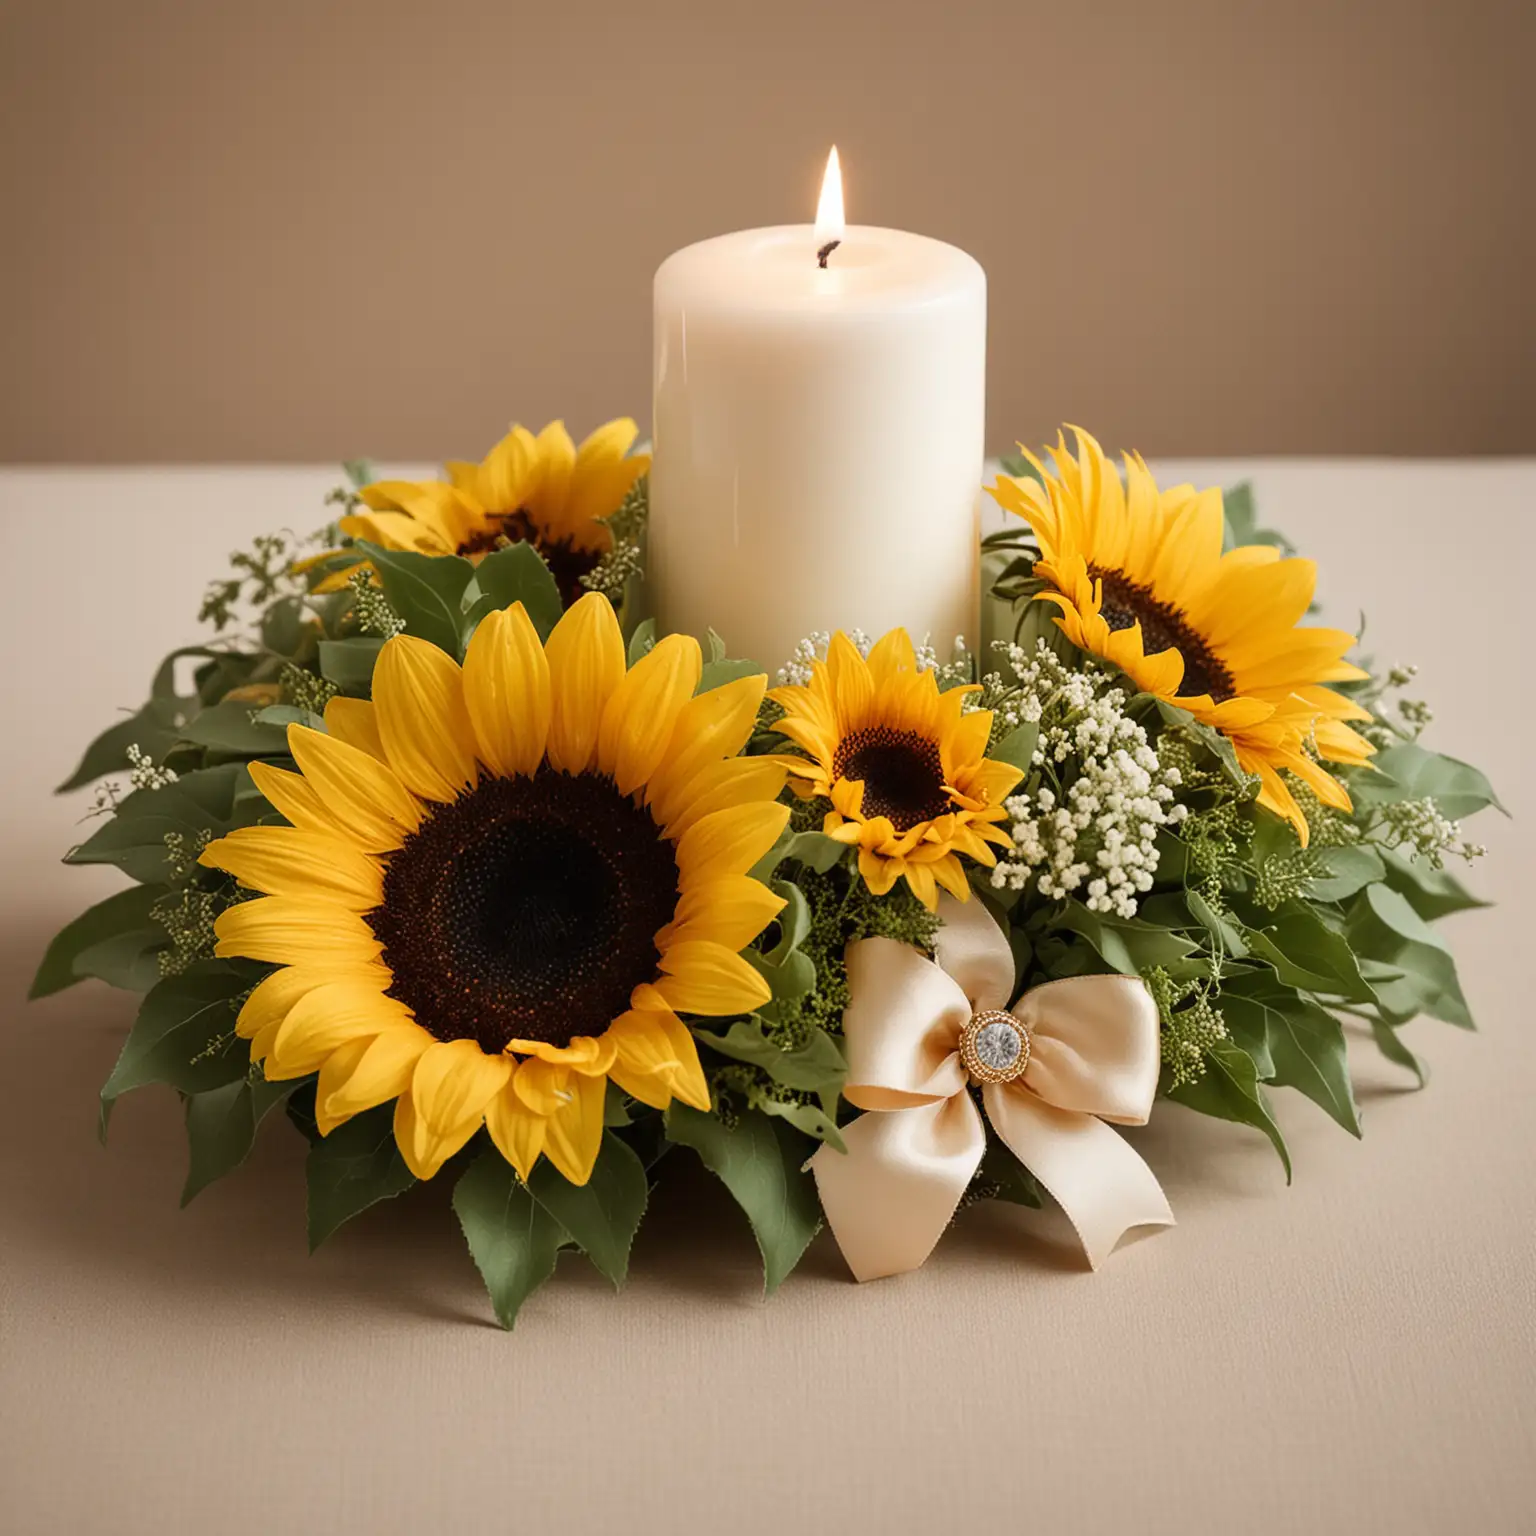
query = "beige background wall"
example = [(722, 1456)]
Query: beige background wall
[(287, 230)]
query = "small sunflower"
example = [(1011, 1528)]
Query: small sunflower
[(1141, 580), (503, 884), (904, 766), (543, 490)]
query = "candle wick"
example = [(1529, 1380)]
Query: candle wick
[(825, 251)]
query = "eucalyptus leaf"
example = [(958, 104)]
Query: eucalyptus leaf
[(513, 1239), (1309, 955), (354, 1167), (1391, 1045), (1408, 771), (184, 1034), (221, 1128), (1126, 944), (1431, 892), (349, 663), (602, 1215), (1017, 748), (817, 1066), (1229, 1090), (230, 727), (760, 1160), (123, 914), (518, 574), (1383, 925), (1343, 871), (427, 591)]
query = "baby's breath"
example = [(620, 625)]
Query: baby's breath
[(1089, 827)]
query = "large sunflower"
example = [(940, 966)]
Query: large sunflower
[(904, 766), (502, 885), (540, 489), (1141, 580)]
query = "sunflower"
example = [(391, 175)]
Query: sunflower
[(543, 490), (1141, 581), (905, 768), (503, 884)]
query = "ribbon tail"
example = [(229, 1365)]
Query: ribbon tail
[(1093, 1172), (890, 1196)]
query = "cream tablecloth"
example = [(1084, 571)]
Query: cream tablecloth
[(1355, 1352)]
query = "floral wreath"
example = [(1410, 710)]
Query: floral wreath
[(445, 854)]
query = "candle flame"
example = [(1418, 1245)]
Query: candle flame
[(829, 209)]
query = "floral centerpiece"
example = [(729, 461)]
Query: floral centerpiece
[(441, 853)]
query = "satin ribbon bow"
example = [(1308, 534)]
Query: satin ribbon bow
[(1067, 1057)]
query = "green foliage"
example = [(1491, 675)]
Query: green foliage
[(516, 574), (221, 1128), (109, 940), (601, 1216), (1229, 1090), (354, 1167), (426, 591), (760, 1160), (513, 1238)]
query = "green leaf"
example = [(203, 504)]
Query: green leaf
[(760, 1160), (185, 1034), (1309, 955), (286, 628), (1306, 1044), (602, 1215), (1343, 871), (1390, 1044), (1018, 746), (349, 663), (717, 673), (817, 1066), (124, 914), (155, 728), (642, 641), (221, 1129), (513, 1239), (1430, 892), (133, 838), (1126, 944), (359, 472), (816, 1120), (1229, 1090), (130, 961), (427, 591), (1242, 518), (229, 727), (1383, 925), (1411, 772), (518, 574), (1247, 1018), (354, 1167), (815, 850)]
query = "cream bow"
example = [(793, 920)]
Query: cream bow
[(1067, 1057)]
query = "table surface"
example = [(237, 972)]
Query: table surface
[(1355, 1351)]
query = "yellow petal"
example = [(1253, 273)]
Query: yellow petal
[(640, 716), (574, 1132), (326, 1019), (657, 1059), (294, 861), (891, 655), (729, 842), (353, 1080), (586, 666), (452, 1083), (360, 793), (731, 911), (290, 930), (705, 978), (723, 786), (290, 796), (516, 1130), (712, 726), (273, 996), (418, 695), (507, 692), (355, 722)]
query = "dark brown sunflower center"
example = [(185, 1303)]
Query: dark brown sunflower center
[(902, 773), (526, 909), (1127, 602), (567, 563)]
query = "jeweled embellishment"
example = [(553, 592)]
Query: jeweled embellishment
[(994, 1047)]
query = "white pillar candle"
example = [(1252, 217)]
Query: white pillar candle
[(818, 436)]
